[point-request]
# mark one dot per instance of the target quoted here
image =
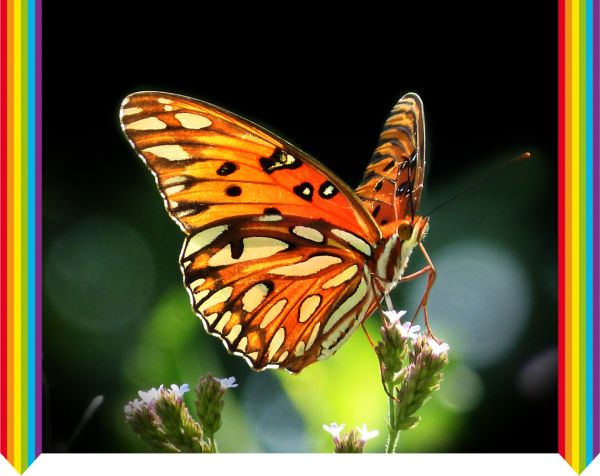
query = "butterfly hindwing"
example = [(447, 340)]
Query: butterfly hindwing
[(211, 165), (283, 292), (392, 183)]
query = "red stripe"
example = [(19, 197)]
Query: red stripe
[(561, 227), (3, 231)]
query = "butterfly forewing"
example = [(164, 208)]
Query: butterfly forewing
[(392, 184), (280, 256), (211, 165), (282, 292)]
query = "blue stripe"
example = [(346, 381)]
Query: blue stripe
[(589, 243), (31, 214)]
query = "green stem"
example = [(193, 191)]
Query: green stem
[(393, 436), (213, 445)]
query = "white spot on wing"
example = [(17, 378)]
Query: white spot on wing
[(169, 152), (202, 239), (308, 307), (168, 108), (255, 247), (299, 349), (212, 318), (223, 322), (146, 124), (199, 296), (308, 267), (254, 296), (356, 242), (192, 121), (313, 335), (175, 180), (174, 189), (128, 111), (234, 333), (282, 357), (242, 344), (273, 313), (164, 101), (270, 218), (276, 342), (197, 283), (219, 297), (341, 278), (308, 233), (347, 305)]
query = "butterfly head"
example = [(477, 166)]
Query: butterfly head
[(413, 230)]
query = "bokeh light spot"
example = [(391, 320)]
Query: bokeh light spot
[(278, 426), (462, 389), (538, 377), (99, 274), (480, 301)]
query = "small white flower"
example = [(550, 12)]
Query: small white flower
[(228, 382), (133, 406), (394, 316), (408, 331), (334, 429), (179, 391), (437, 349), (151, 395), (365, 434)]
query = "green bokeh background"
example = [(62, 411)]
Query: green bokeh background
[(116, 316)]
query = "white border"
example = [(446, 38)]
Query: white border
[(299, 464)]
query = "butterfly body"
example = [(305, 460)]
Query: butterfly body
[(282, 260)]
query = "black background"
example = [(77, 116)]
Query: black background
[(324, 79)]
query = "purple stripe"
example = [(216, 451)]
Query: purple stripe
[(596, 230), (38, 227)]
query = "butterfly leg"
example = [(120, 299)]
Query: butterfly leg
[(430, 269), (431, 275), (368, 336)]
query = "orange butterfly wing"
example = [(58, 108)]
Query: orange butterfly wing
[(392, 184), (275, 261), (211, 164)]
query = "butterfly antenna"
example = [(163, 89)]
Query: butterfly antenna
[(523, 156)]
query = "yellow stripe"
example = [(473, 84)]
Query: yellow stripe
[(17, 283), (576, 251)]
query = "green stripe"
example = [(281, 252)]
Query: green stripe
[(23, 257)]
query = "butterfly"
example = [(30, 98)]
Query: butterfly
[(282, 260)]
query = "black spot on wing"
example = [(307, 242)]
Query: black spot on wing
[(272, 211), (233, 191), (305, 191), (227, 169), (279, 160), (389, 165), (327, 190), (237, 248), (403, 188)]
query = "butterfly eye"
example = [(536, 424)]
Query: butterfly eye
[(405, 230)]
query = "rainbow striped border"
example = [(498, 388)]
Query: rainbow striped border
[(579, 203), (20, 231)]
